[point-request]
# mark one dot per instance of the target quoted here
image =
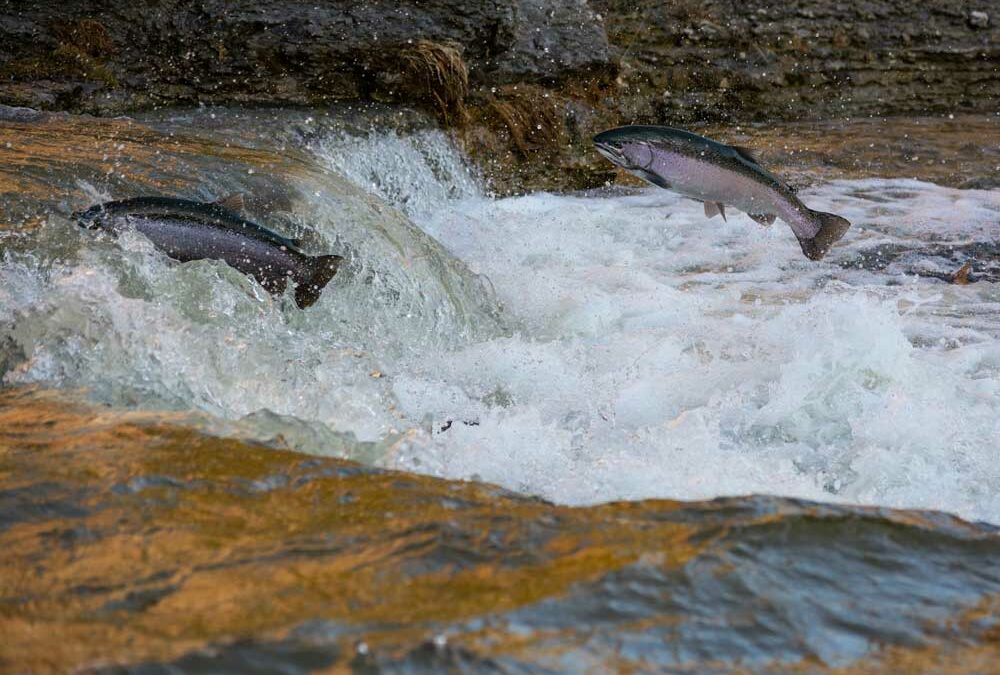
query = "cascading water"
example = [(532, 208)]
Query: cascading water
[(131, 327), (582, 347), (662, 355)]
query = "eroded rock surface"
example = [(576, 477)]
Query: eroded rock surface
[(682, 60), (127, 538), (106, 56), (525, 83), (804, 59)]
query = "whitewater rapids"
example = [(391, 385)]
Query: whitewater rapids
[(642, 351)]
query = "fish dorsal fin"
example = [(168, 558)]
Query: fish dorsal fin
[(764, 219), (235, 202), (746, 153), (713, 209), (749, 156)]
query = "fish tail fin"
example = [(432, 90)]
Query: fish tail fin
[(318, 273), (831, 228)]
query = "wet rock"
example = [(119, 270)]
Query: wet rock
[(74, 54), (385, 572), (855, 46), (952, 263), (244, 656), (554, 40), (981, 183), (607, 62), (979, 19), (42, 502)]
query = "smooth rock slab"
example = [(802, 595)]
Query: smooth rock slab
[(200, 574)]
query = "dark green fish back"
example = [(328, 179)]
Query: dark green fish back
[(210, 213), (679, 137)]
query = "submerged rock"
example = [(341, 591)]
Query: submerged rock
[(194, 568), (952, 263), (979, 19)]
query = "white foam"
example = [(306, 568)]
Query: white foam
[(415, 173), (666, 355)]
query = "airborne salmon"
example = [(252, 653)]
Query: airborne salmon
[(718, 175), (188, 230)]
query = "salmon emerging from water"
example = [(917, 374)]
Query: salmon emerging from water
[(718, 175), (188, 230)]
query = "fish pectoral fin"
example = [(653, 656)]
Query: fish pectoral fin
[(764, 219), (713, 209), (653, 178), (235, 202), (746, 153)]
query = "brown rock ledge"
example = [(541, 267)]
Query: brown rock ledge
[(126, 538)]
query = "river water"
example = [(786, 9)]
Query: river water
[(586, 347), (659, 354)]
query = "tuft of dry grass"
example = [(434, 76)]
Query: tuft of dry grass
[(436, 72), (89, 36), (534, 119), (83, 47)]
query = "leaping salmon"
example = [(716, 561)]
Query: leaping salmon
[(187, 230), (718, 175)]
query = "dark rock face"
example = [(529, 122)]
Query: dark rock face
[(803, 59), (554, 38), (528, 82), (106, 55), (705, 59), (707, 64)]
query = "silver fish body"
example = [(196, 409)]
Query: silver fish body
[(718, 175), (187, 230)]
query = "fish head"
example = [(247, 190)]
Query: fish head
[(627, 147), (611, 144), (100, 217)]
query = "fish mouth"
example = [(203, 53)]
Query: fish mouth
[(94, 224), (611, 153), (85, 220), (89, 218)]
